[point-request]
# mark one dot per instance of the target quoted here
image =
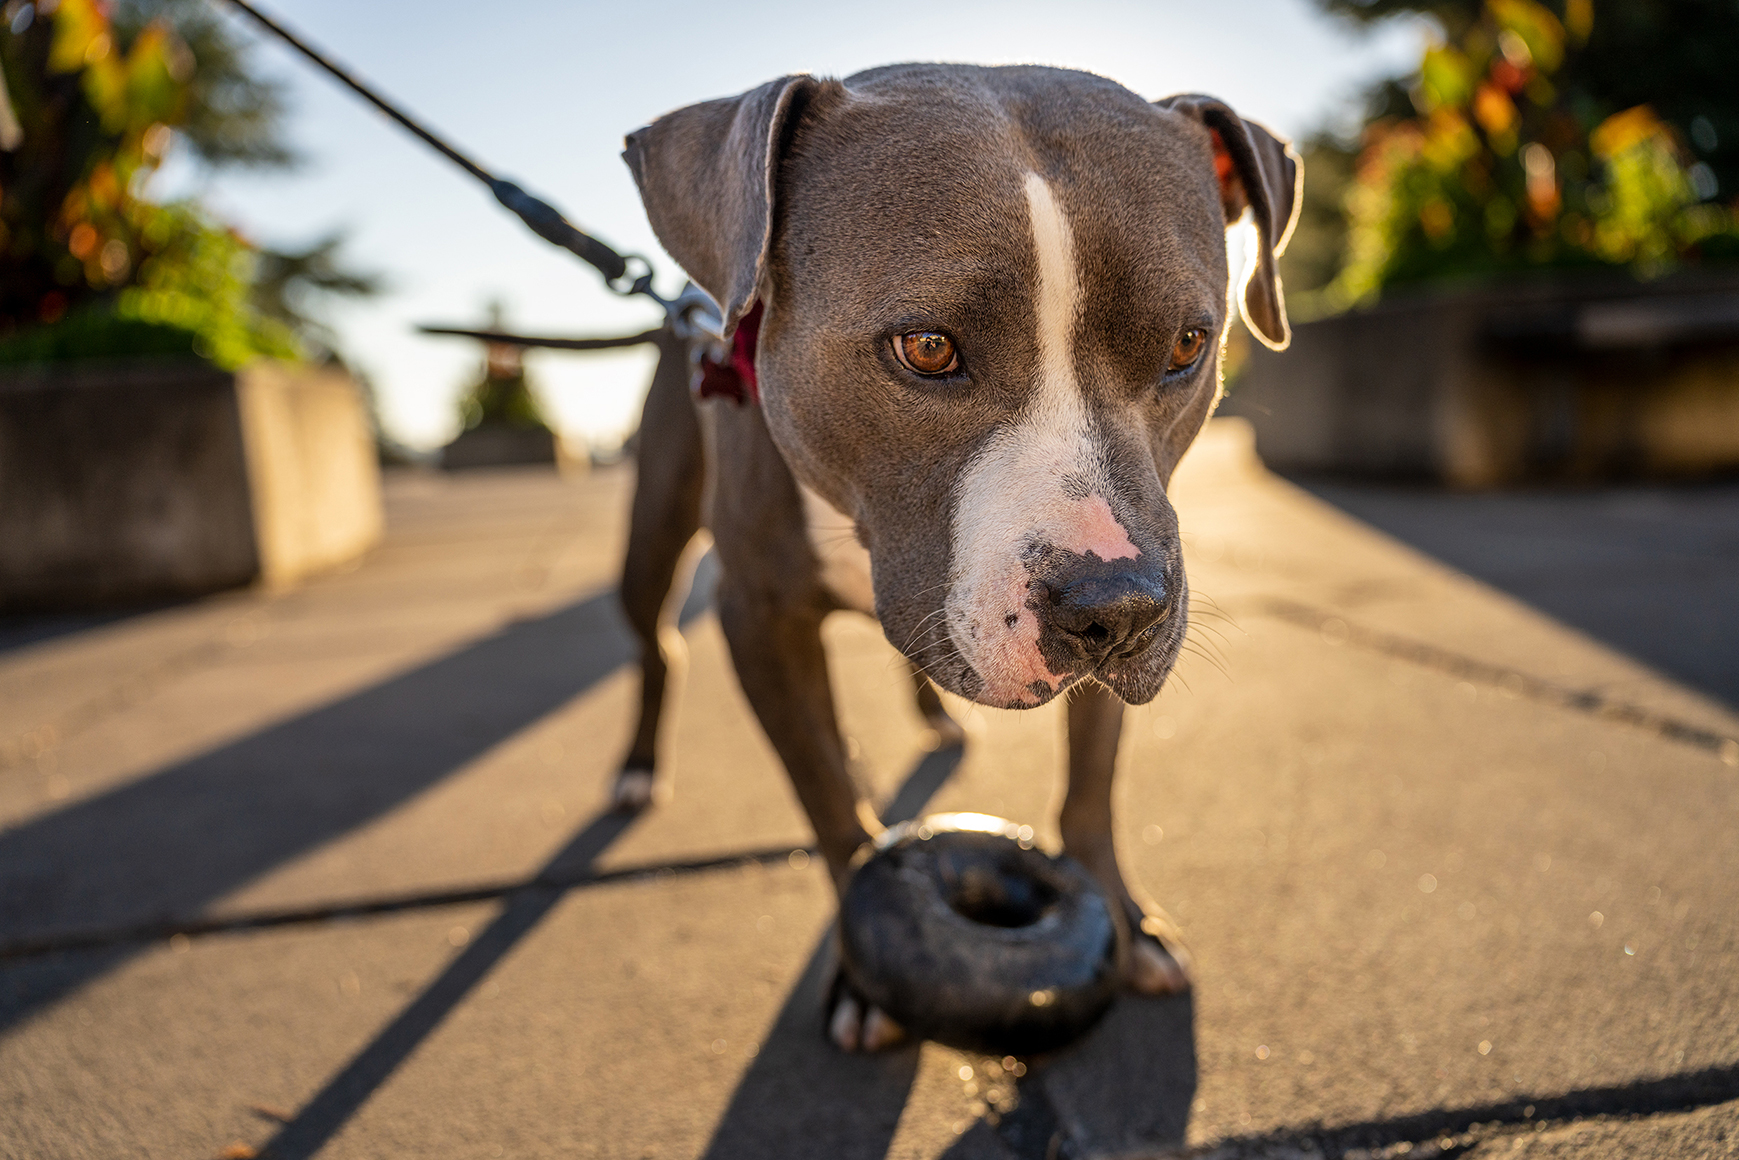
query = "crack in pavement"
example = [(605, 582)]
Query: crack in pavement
[(1513, 681), (1454, 1131), (146, 932)]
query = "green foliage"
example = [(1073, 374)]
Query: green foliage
[(502, 397), (190, 295), (288, 283), (98, 102), (232, 116), (1676, 56), (504, 401), (199, 278), (1502, 167), (95, 334), (1315, 254)]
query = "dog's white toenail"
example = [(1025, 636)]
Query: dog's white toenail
[(879, 1031), (633, 789), (847, 1025), (1154, 972)]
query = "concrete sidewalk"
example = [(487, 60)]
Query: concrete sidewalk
[(1460, 879)]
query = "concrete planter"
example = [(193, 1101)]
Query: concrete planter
[(1481, 388), (122, 483), (502, 447)]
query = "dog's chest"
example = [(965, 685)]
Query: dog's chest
[(844, 563)]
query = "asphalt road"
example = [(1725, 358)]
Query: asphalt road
[(325, 872)]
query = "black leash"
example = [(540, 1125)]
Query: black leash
[(544, 219), (505, 339)]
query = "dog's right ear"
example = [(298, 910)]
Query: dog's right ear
[(706, 175)]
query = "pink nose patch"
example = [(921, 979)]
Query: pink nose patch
[(1097, 531)]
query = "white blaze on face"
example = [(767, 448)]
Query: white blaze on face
[(1040, 479)]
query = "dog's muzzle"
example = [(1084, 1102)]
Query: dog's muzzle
[(1102, 620), (1119, 625)]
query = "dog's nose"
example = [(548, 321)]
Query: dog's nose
[(1111, 617)]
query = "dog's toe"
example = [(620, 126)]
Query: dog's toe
[(880, 1032), (1153, 971), (633, 791), (846, 1026), (1159, 964), (855, 1025)]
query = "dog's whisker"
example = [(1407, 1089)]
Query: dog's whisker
[(929, 621), (1207, 631), (1216, 667), (917, 593), (1211, 609), (1216, 618), (1215, 643), (1207, 618), (925, 623), (1207, 658)]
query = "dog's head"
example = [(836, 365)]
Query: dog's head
[(994, 300)]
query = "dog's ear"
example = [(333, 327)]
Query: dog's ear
[(706, 175), (1261, 172)]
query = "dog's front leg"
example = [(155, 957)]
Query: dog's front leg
[(1155, 960), (780, 661), (782, 665)]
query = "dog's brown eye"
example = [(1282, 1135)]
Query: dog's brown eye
[(925, 352), (1188, 349)]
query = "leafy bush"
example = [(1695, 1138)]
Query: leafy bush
[(1497, 167), (95, 334), (99, 101)]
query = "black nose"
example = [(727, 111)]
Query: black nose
[(1110, 617)]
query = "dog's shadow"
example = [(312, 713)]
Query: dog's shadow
[(1128, 1084), (802, 1097)]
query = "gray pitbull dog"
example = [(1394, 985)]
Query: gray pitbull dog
[(990, 307)]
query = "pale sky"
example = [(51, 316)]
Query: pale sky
[(542, 92)]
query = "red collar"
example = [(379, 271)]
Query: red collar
[(735, 379)]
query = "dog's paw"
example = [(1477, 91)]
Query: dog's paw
[(856, 1026), (632, 791), (1159, 963)]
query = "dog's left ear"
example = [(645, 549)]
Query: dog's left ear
[(707, 175), (1259, 171)]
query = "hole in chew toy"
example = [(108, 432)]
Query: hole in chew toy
[(957, 926), (996, 892)]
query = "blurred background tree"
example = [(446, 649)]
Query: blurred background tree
[(232, 116), (293, 285), (89, 264), (1533, 136), (502, 397)]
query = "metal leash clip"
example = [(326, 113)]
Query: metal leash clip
[(696, 321), (629, 283), (694, 317)]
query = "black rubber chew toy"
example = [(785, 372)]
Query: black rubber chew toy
[(964, 933)]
